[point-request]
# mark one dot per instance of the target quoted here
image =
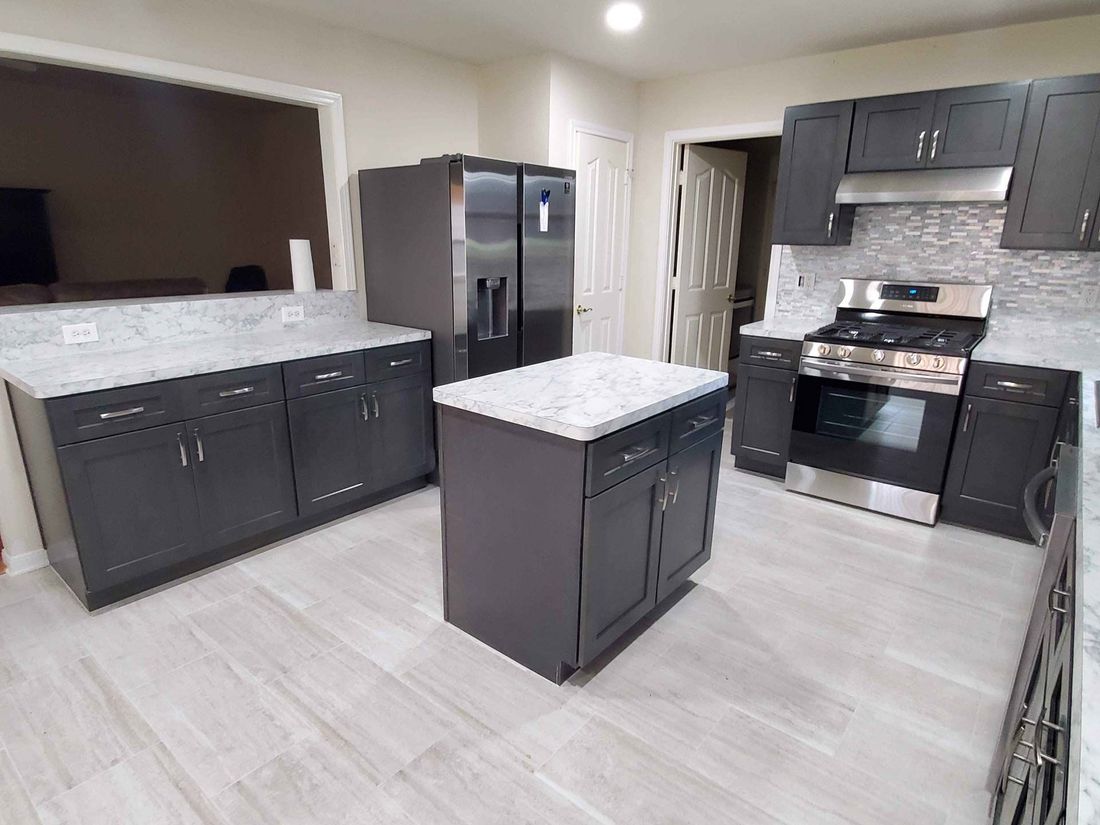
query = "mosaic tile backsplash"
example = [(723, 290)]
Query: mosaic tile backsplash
[(946, 242)]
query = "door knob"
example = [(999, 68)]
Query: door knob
[(729, 298), (581, 310)]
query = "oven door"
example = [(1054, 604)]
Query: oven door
[(878, 423)]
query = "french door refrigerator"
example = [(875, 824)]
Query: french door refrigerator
[(477, 250)]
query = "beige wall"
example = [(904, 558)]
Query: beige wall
[(150, 180), (582, 92), (400, 104), (761, 92), (514, 109)]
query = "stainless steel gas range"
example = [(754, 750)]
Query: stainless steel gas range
[(878, 394)]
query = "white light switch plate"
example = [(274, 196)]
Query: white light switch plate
[(807, 281), (79, 333), (297, 313)]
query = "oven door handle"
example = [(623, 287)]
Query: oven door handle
[(902, 379)]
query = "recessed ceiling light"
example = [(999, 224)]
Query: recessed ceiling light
[(624, 17)]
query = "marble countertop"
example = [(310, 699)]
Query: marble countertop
[(789, 329), (78, 372), (582, 397)]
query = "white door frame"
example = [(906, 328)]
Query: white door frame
[(576, 128), (329, 106), (674, 141)]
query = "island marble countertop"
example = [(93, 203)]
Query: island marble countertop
[(106, 369), (582, 397)]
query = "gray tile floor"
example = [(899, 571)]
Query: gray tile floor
[(828, 666)]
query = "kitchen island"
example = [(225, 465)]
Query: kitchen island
[(577, 495)]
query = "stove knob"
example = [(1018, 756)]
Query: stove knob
[(913, 359), (823, 349), (878, 355), (938, 362), (844, 352)]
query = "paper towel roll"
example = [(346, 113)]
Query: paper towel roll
[(301, 266)]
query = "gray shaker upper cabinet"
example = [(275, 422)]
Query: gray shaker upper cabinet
[(1056, 186), (891, 132), (965, 127), (811, 164)]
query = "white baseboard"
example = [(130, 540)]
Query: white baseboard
[(25, 562)]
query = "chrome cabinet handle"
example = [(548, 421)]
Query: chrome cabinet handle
[(767, 353), (1015, 385), (198, 444), (107, 416), (829, 226), (966, 420), (935, 141), (1054, 591), (374, 405), (403, 362), (328, 376), (1084, 224), (634, 453), (363, 406), (663, 481), (701, 421), (183, 450), (790, 397), (920, 143), (238, 391), (675, 490)]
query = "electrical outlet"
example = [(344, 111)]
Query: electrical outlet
[(807, 281), (79, 333), (1090, 295), (295, 313)]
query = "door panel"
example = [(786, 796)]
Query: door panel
[(328, 436), (688, 524), (1056, 186), (603, 203), (977, 125), (999, 446), (133, 505), (892, 132), (547, 289), (762, 411), (812, 159), (619, 559), (400, 427), (243, 474), (706, 262)]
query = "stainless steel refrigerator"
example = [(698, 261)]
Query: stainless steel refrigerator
[(479, 251)]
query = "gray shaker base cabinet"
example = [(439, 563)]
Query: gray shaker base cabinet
[(140, 485), (554, 548)]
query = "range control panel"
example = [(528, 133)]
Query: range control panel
[(909, 292)]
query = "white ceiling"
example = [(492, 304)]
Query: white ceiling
[(677, 36)]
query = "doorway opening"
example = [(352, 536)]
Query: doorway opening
[(721, 251)]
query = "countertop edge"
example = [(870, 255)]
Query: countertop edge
[(573, 431)]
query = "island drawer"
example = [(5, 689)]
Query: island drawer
[(398, 360), (75, 418), (626, 453), (1010, 383), (770, 352), (311, 376), (697, 420), (231, 390)]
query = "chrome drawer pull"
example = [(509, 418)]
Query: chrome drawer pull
[(328, 376), (238, 391), (767, 353), (107, 416), (404, 362), (701, 421), (634, 453), (1015, 385)]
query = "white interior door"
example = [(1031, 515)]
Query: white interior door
[(603, 198), (711, 199)]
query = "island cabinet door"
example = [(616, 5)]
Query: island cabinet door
[(329, 439), (132, 501), (401, 443), (619, 557), (688, 524), (243, 473)]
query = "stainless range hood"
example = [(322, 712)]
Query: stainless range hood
[(926, 186)]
